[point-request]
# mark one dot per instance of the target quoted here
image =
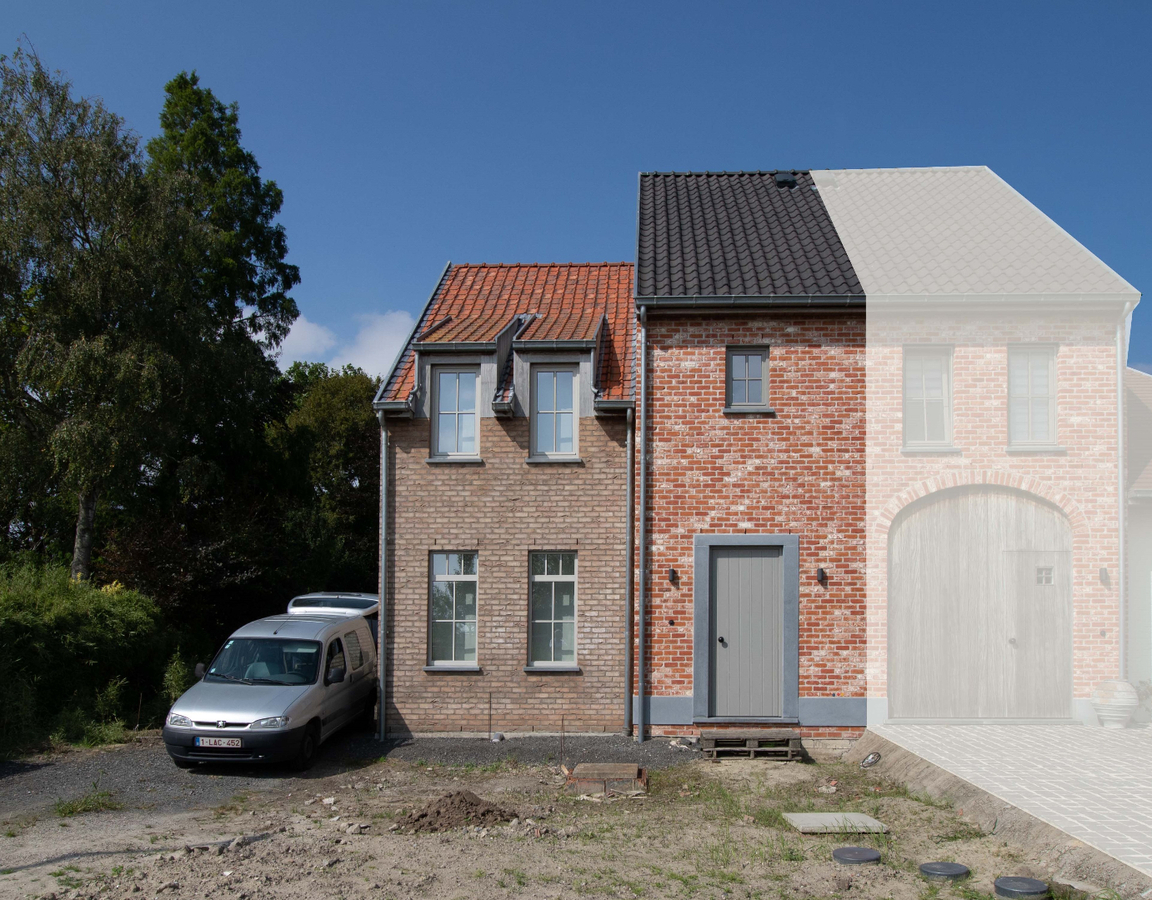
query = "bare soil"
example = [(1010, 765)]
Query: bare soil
[(704, 830), (459, 809)]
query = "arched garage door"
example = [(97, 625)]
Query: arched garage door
[(980, 608)]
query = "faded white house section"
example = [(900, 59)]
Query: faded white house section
[(995, 480), (1138, 430)]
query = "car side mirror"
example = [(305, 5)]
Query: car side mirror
[(335, 676), (199, 670)]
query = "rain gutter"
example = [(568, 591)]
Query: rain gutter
[(642, 646)]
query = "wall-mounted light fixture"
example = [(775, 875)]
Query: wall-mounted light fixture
[(821, 575), (1104, 579), (672, 575)]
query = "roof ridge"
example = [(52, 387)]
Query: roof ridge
[(730, 172), (538, 265)]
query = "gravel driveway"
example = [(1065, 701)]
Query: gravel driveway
[(141, 776)]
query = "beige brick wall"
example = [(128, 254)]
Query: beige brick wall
[(503, 510)]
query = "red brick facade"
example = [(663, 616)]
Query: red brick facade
[(799, 471), (504, 509)]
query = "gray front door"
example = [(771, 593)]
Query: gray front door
[(747, 631)]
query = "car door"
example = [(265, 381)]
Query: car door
[(356, 670), (337, 694)]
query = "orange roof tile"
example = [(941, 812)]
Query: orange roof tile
[(568, 301)]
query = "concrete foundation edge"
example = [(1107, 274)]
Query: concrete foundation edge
[(814, 711)]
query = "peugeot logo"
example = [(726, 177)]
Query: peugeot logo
[(220, 723)]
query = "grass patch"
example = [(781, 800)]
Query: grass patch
[(962, 831), (65, 877), (518, 876), (95, 800)]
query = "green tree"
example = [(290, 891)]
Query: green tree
[(87, 248), (140, 306), (247, 270), (334, 433)]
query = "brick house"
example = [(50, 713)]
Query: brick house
[(860, 431), (913, 513), (505, 429)]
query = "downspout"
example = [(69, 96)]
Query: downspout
[(642, 717), (382, 627), (1121, 328), (628, 588)]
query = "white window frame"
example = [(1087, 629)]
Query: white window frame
[(553, 579), (434, 411), (926, 351), (448, 578), (534, 370), (1030, 350), (761, 350)]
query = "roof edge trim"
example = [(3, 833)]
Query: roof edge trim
[(411, 335)]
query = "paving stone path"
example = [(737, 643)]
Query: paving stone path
[(1092, 783)]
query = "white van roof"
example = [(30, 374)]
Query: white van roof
[(334, 602), (300, 627)]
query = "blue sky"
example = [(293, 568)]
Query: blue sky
[(405, 135)]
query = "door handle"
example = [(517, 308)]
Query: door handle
[(720, 639), (1012, 641)]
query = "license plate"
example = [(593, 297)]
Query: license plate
[(218, 742)]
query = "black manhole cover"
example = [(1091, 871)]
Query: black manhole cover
[(1012, 886), (855, 856), (944, 871)]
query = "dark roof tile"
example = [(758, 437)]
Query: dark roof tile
[(721, 234)]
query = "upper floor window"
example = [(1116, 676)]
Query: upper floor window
[(746, 387), (453, 608), (553, 615), (455, 412), (554, 411), (927, 396), (1031, 395)]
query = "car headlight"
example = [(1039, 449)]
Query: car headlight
[(179, 721), (274, 722)]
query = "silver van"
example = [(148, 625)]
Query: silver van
[(278, 688)]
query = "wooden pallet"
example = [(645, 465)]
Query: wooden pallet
[(768, 743)]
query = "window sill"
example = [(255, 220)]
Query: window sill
[(1035, 448), (455, 460), (554, 461), (453, 670), (553, 670), (748, 411), (931, 451)]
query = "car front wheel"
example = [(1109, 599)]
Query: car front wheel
[(308, 747)]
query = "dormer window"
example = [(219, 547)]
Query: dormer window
[(455, 419), (555, 413)]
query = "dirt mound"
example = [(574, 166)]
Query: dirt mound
[(459, 809)]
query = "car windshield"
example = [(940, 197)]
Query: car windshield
[(266, 661)]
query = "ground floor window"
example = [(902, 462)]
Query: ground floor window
[(453, 608), (552, 641)]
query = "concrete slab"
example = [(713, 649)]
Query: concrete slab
[(835, 823)]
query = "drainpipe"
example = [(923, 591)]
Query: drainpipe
[(1121, 328), (382, 626), (642, 718), (628, 592)]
